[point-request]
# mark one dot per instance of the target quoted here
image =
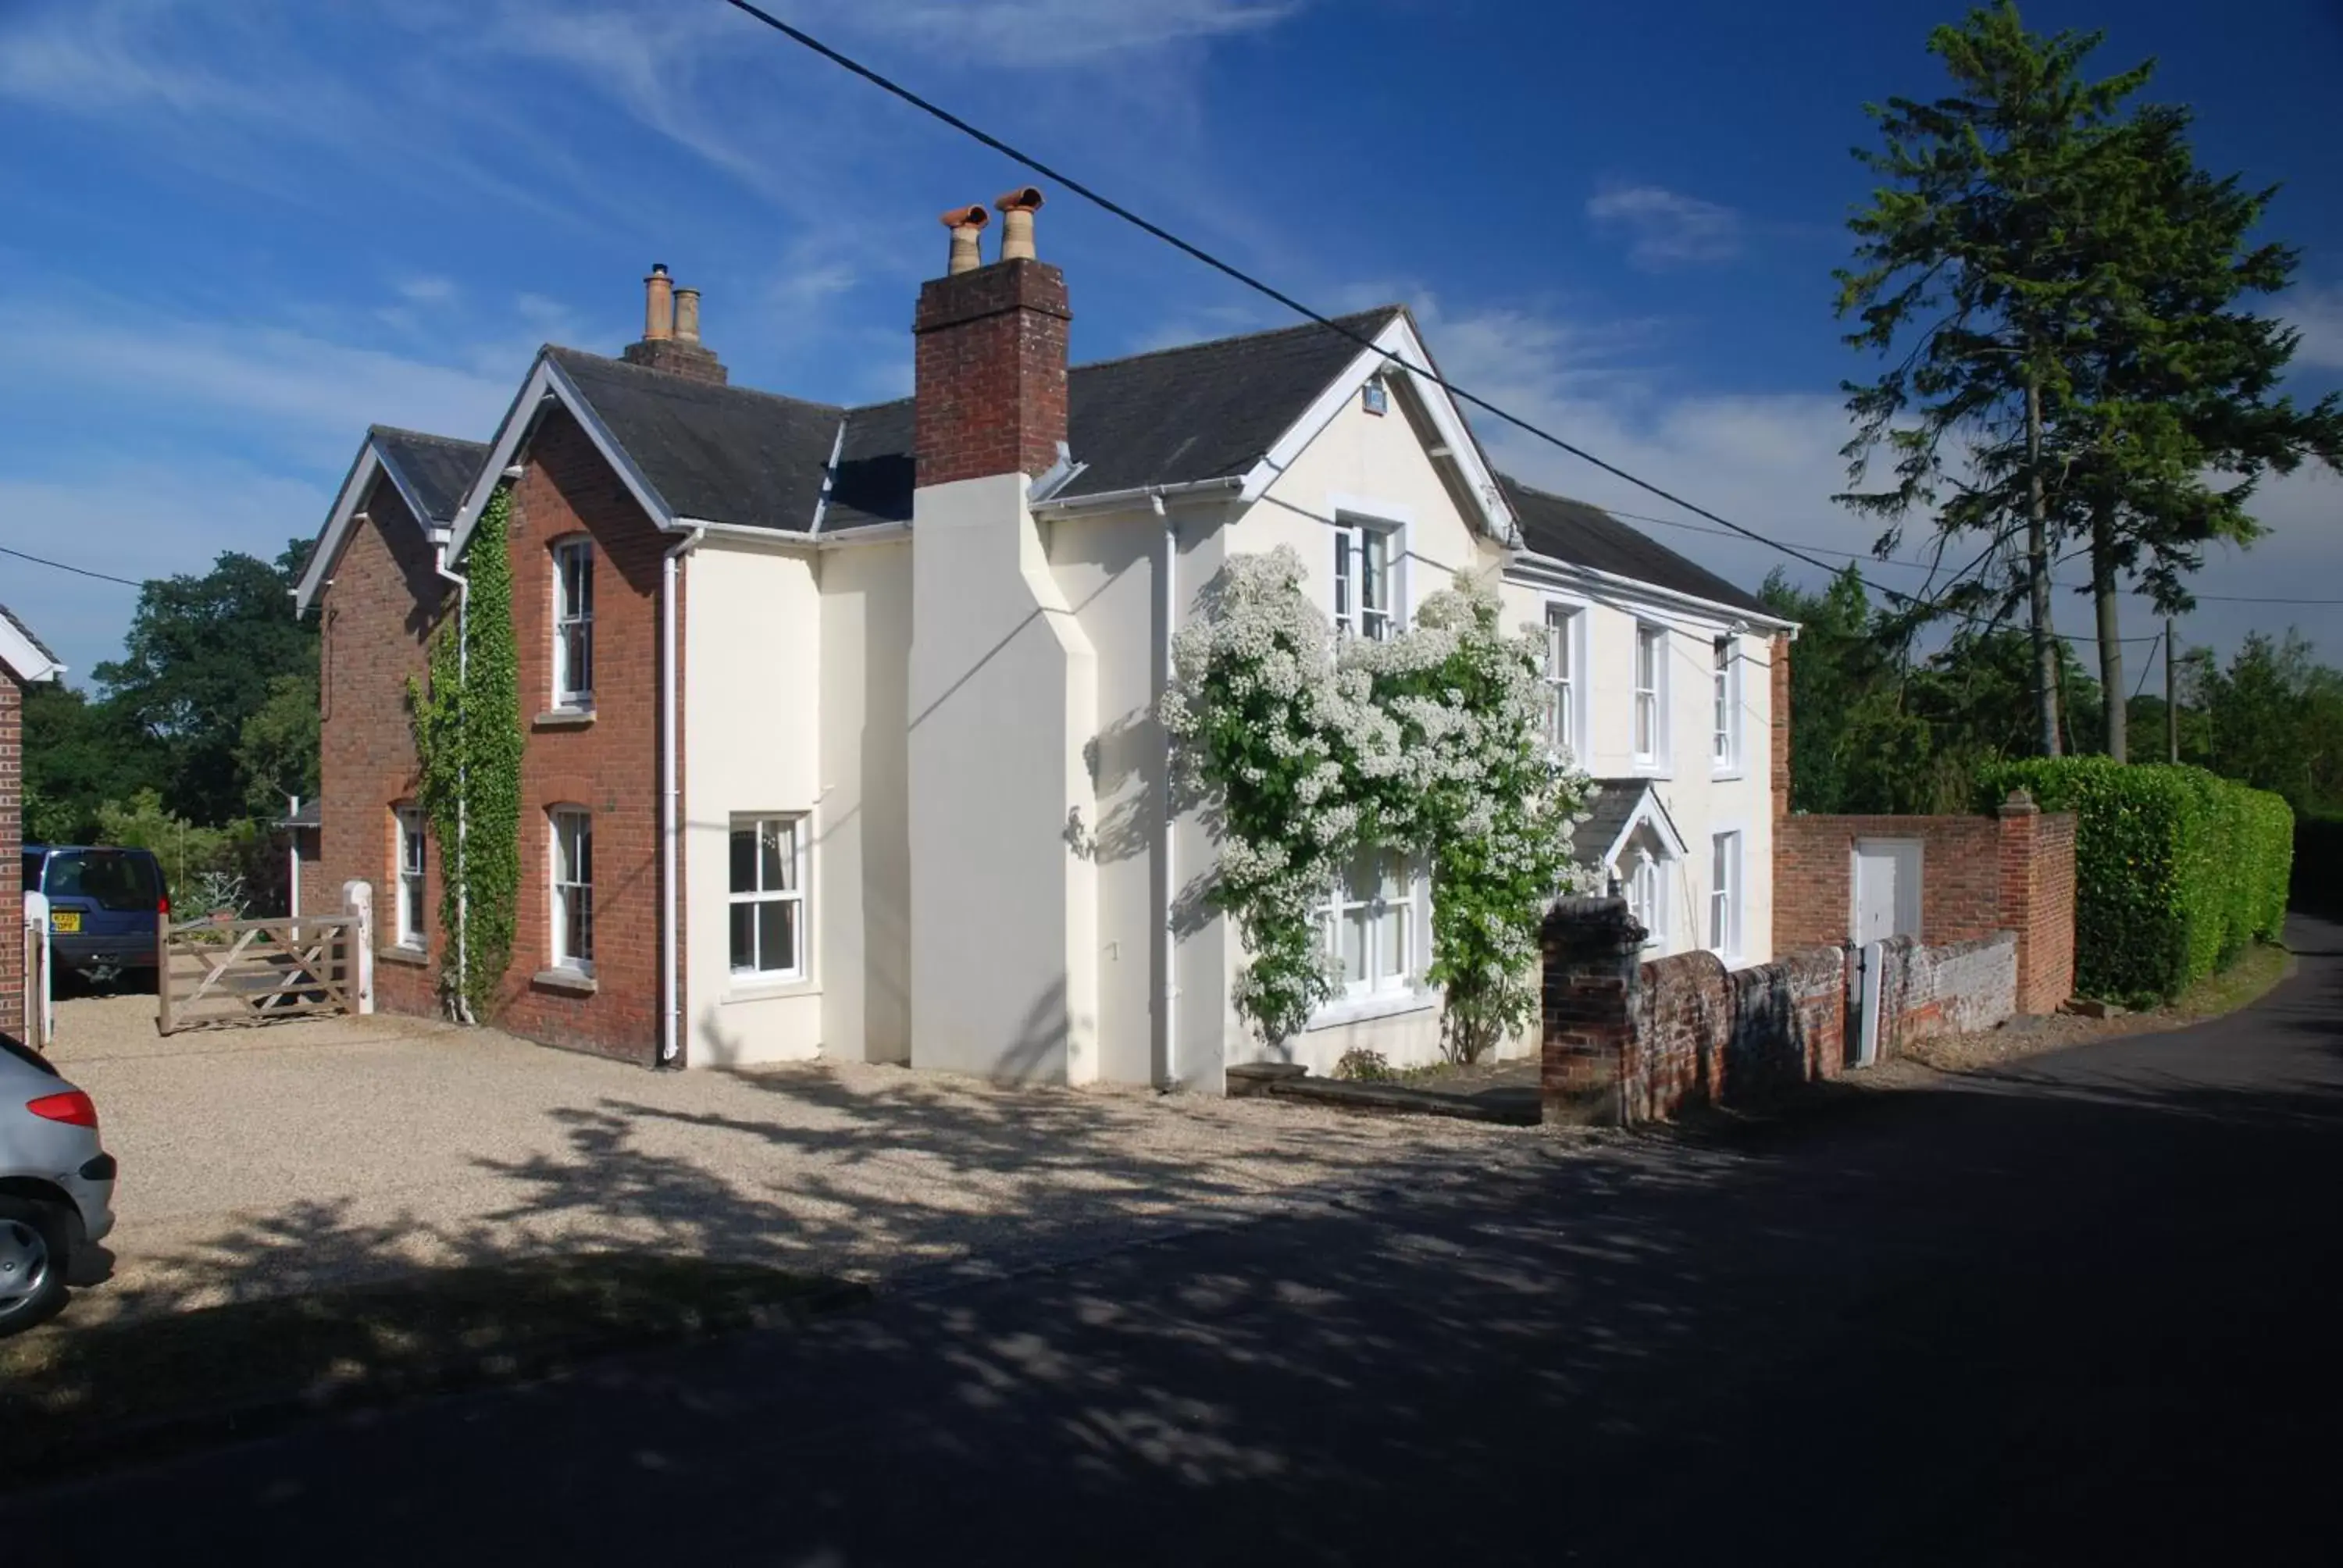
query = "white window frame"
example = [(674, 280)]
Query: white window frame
[(760, 898), (1645, 883), (1566, 699), (410, 879), (1724, 740), (1406, 908), (1351, 615), (1652, 698), (573, 618), (567, 890), (1726, 892)]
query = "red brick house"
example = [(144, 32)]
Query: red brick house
[(24, 660), (841, 732)]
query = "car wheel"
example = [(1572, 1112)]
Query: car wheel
[(33, 1261)]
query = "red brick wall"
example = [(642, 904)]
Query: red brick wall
[(1960, 876), (12, 842), (1979, 875), (2037, 890), (610, 766), (990, 365), (1629, 1041), (384, 600)]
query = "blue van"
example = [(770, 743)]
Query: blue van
[(103, 904)]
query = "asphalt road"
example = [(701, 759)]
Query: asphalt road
[(2081, 1310)]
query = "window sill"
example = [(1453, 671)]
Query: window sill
[(1646, 768), (774, 990), (1364, 1008), (563, 719), (571, 980), (400, 953), (1733, 775)]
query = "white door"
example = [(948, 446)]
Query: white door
[(1886, 889)]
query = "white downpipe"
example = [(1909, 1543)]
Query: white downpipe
[(670, 813), (1169, 600), (463, 1005)]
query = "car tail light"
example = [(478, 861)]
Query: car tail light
[(162, 903), (73, 1106)]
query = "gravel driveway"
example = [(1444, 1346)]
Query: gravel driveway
[(268, 1160)]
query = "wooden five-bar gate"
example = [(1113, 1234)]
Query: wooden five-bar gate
[(221, 973)]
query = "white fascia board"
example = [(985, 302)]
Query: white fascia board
[(1139, 496), (355, 484), (549, 381), (25, 661), (1395, 349), (1652, 812), (1629, 593), (790, 543)]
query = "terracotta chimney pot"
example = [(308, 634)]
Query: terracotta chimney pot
[(1017, 210), (658, 305), (966, 223), (687, 315)]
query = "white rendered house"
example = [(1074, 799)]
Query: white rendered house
[(917, 784)]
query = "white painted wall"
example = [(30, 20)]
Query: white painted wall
[(1002, 698), (752, 704), (1702, 799), (864, 853)]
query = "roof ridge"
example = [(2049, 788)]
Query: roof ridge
[(401, 430), (668, 378), (1383, 310)]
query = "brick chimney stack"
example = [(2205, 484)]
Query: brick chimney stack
[(991, 355), (670, 340)]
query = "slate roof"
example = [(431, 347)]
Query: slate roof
[(727, 454), (312, 814), (1176, 415), (1615, 801), (438, 469), (1587, 536)]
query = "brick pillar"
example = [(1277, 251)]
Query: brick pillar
[(1781, 727), (1593, 951), (12, 827), (2037, 902)]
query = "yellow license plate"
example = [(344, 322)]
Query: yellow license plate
[(65, 920)]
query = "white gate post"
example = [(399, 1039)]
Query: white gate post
[(40, 1020), (357, 899)]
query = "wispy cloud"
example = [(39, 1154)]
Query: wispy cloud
[(2318, 313), (1665, 227), (294, 391)]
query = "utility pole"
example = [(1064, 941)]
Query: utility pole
[(2171, 694)]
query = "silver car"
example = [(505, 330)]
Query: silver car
[(56, 1185)]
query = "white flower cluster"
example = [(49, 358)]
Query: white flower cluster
[(1426, 744)]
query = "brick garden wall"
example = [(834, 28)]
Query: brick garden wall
[(12, 843), (1954, 988), (1625, 1041), (2014, 871)]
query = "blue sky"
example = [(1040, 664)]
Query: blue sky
[(232, 234)]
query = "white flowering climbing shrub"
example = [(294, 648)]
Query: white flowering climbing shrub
[(1307, 749), (1479, 798)]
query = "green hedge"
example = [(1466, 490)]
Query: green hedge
[(2176, 872)]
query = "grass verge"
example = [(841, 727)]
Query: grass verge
[(129, 1389)]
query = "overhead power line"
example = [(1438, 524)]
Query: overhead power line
[(1809, 555), (77, 571)]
